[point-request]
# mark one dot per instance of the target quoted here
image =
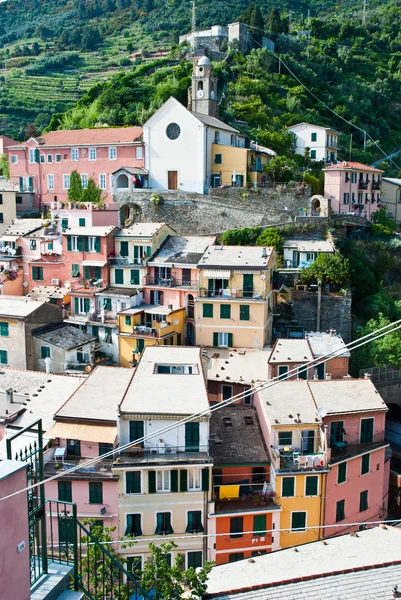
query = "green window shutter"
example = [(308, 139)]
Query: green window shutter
[(82, 222), (36, 155), (85, 243), (225, 311), (128, 320), (95, 492), (133, 525), (137, 525), (340, 513), (215, 339), (311, 485), (236, 527), (230, 340), (80, 243), (76, 306), (34, 273), (86, 272), (208, 311), (107, 304), (21, 184), (69, 242), (50, 246), (141, 345), (190, 523), (365, 464), (64, 491), (183, 480), (119, 276), (205, 480), (3, 329), (288, 487), (3, 357), (104, 448), (44, 352), (148, 251), (133, 482), (174, 480), (130, 525), (259, 524), (363, 501), (298, 521), (86, 305), (244, 312), (97, 244), (248, 286), (159, 523), (98, 273), (64, 226), (134, 279), (40, 273), (152, 482), (136, 430), (124, 248), (136, 252), (367, 430), (65, 530), (342, 472), (194, 559)]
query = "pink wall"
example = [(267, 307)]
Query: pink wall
[(335, 186), (72, 257), (352, 425), (174, 295), (14, 565)]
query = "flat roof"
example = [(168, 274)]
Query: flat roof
[(63, 336), (9, 467), (96, 231), (283, 401), (240, 257), (138, 230), (19, 227), (287, 350), (116, 291), (237, 365), (346, 396), (153, 309), (18, 306), (373, 547), (45, 292), (393, 180), (310, 245), (322, 343), (155, 393), (99, 395), (182, 250)]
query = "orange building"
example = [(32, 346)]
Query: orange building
[(243, 512)]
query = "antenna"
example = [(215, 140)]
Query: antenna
[(193, 26)]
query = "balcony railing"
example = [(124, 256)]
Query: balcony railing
[(344, 448), (294, 460), (376, 185), (171, 282), (162, 452), (74, 365), (147, 331), (127, 261), (255, 168), (363, 185), (232, 294), (107, 316)]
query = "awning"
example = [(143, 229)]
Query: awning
[(85, 433), (216, 274), (94, 263)]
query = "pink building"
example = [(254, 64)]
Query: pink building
[(44, 164), (173, 278), (353, 187), (358, 481), (14, 538)]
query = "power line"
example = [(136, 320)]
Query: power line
[(265, 385)]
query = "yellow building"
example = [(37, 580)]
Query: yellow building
[(298, 453), (234, 307), (242, 167), (148, 325), (133, 247)]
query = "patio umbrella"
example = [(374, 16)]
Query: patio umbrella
[(234, 178)]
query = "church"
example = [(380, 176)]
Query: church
[(182, 147)]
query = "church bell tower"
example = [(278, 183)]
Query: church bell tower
[(204, 88)]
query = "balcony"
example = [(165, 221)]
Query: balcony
[(376, 185), (172, 282), (100, 469), (232, 294), (161, 452), (103, 317), (290, 459), (158, 330), (363, 185), (343, 449), (250, 500), (74, 366), (126, 261), (255, 168)]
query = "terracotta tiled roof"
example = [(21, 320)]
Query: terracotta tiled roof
[(352, 165), (87, 137)]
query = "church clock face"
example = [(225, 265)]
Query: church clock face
[(173, 131), (212, 95), (200, 93)]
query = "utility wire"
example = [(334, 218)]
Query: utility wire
[(377, 334)]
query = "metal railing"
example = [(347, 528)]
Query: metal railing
[(376, 185), (381, 374), (171, 282), (229, 294), (162, 451), (363, 185), (126, 261), (345, 449)]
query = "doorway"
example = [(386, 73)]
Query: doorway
[(172, 180)]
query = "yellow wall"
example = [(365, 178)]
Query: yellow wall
[(127, 276), (154, 242), (256, 176), (233, 159)]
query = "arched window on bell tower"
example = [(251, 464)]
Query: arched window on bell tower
[(200, 85)]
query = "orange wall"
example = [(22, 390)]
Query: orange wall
[(224, 542)]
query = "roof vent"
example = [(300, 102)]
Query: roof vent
[(248, 420), (227, 421)]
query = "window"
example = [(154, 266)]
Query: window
[(58, 158), (95, 492), (107, 335), (66, 181), (226, 391), (340, 511), (163, 481), (74, 154), (84, 180), (112, 153), (73, 448), (365, 464), (133, 525), (136, 431), (119, 276), (225, 311), (313, 154), (288, 487), (363, 501), (74, 243), (259, 524), (311, 485), (50, 182), (313, 137), (107, 303), (128, 320), (302, 372), (104, 448), (359, 197), (44, 352), (75, 270), (235, 556), (194, 480), (367, 430), (218, 159), (232, 140), (102, 181), (33, 155), (42, 158), (18, 200), (3, 329), (310, 256), (223, 339), (194, 559), (283, 372), (208, 311), (216, 137), (64, 491), (139, 153), (192, 437), (308, 441), (3, 357), (236, 527), (298, 521), (37, 273), (133, 482), (346, 198), (134, 565), (81, 306), (347, 177), (194, 524), (244, 312), (342, 472), (248, 399), (285, 438), (50, 158), (81, 222), (163, 524), (14, 159), (337, 432), (92, 154), (353, 176)]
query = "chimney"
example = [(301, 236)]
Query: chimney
[(333, 331), (367, 376), (328, 376), (264, 253), (316, 377), (48, 364), (10, 395)]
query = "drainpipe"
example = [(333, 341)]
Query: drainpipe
[(322, 505), (319, 305), (205, 159)]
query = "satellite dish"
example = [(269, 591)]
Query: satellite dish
[(25, 284), (176, 321), (322, 412), (263, 277), (67, 284)]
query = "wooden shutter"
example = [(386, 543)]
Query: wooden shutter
[(86, 272), (86, 305), (288, 487), (136, 429), (69, 242), (34, 273), (86, 244), (97, 244), (152, 482), (215, 339), (311, 485), (259, 524), (134, 280), (124, 248), (152, 296), (183, 480), (230, 340), (205, 480), (174, 480), (79, 243), (76, 305), (244, 312)]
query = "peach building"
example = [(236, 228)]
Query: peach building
[(45, 163), (353, 187)]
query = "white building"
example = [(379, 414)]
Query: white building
[(322, 141), (178, 142), (299, 254), (391, 192)]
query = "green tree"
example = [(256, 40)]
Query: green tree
[(383, 225), (76, 191), (273, 23), (4, 166), (92, 193), (385, 351), (241, 237), (280, 169), (328, 268), (279, 141), (167, 583), (271, 237), (256, 24)]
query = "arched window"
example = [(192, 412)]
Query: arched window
[(122, 182), (200, 85)]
